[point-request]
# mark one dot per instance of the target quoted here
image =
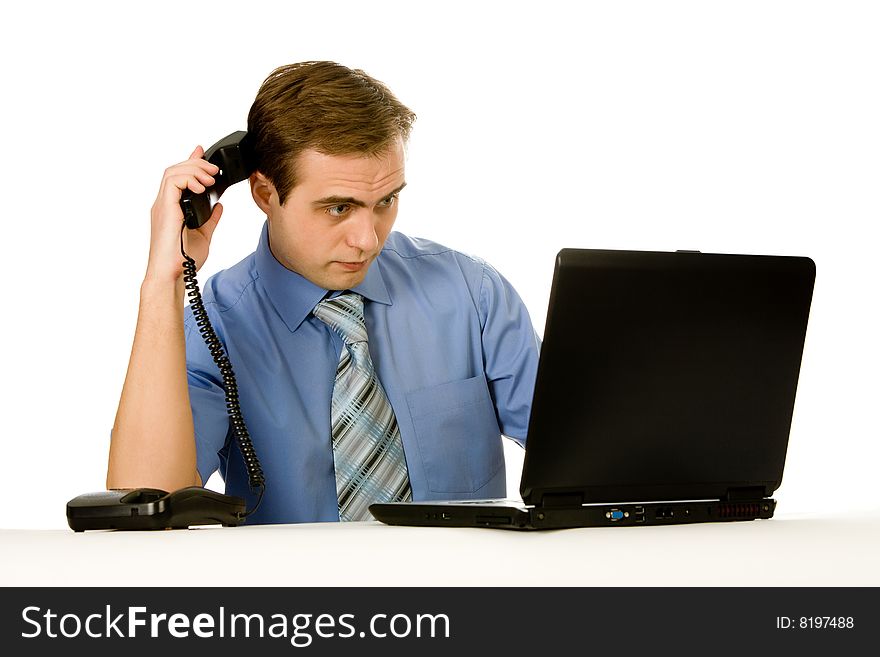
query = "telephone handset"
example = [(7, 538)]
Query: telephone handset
[(149, 508), (232, 154)]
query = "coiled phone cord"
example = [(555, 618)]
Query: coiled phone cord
[(256, 479)]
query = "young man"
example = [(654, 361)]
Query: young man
[(371, 366)]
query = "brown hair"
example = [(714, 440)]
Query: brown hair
[(322, 106)]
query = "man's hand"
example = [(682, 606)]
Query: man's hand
[(165, 263)]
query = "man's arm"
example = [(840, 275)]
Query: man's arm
[(153, 442), (510, 352)]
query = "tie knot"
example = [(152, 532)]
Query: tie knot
[(345, 315)]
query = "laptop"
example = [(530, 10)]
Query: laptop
[(664, 394)]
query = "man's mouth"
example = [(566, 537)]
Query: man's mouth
[(352, 266)]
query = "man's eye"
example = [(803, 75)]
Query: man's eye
[(338, 210), (388, 202)]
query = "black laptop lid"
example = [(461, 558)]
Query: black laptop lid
[(666, 376)]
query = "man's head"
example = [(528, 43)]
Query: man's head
[(328, 150)]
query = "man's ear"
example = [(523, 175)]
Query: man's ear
[(263, 191)]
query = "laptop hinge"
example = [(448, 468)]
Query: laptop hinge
[(559, 500), (744, 493)]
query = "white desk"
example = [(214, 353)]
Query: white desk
[(791, 550)]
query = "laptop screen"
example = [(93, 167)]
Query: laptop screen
[(666, 375)]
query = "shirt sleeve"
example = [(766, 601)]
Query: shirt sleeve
[(510, 352), (207, 398)]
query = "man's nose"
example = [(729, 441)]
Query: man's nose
[(362, 231)]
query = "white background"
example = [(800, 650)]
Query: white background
[(740, 127)]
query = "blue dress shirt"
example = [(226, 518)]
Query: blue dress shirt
[(451, 341)]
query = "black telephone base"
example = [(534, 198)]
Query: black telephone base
[(151, 508)]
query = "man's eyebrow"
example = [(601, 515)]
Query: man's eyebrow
[(350, 200)]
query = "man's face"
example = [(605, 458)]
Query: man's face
[(335, 220)]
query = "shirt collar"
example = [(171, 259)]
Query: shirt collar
[(294, 297)]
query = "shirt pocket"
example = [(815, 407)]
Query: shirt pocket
[(458, 435)]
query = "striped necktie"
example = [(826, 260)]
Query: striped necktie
[(367, 450)]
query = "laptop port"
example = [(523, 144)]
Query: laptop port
[(614, 515)]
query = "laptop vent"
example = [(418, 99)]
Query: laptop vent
[(750, 510)]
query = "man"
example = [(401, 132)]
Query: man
[(370, 366)]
